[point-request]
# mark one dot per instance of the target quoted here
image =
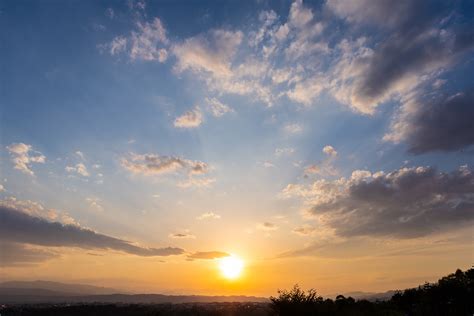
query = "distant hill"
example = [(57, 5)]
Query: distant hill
[(64, 288), (17, 292)]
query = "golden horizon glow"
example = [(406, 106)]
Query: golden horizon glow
[(231, 267)]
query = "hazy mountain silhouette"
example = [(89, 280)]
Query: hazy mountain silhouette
[(58, 287), (25, 292)]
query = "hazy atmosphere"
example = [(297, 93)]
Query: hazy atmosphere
[(236, 147)]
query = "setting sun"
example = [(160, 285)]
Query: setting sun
[(231, 267)]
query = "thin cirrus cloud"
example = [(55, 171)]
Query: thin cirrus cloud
[(148, 42), (405, 203), (181, 236), (208, 215), (217, 108), (397, 49), (23, 156), (21, 227), (207, 255)]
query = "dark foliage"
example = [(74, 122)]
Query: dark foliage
[(451, 295)]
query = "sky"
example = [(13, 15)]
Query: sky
[(325, 143)]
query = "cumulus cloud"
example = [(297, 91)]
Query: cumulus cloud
[(153, 164), (23, 156), (18, 226), (209, 215), (435, 123), (79, 168), (209, 255), (330, 151), (425, 40), (190, 119), (2, 188), (405, 203)]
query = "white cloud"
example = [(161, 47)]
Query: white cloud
[(22, 158), (293, 128), (118, 45), (196, 182), (95, 203), (212, 53), (218, 108), (330, 151), (284, 151), (190, 119), (145, 44), (79, 168), (2, 188), (80, 154), (208, 215), (268, 164), (148, 42), (299, 15)]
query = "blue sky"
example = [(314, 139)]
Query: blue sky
[(134, 114)]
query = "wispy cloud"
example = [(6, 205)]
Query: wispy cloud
[(217, 108), (182, 236), (209, 215), (207, 255)]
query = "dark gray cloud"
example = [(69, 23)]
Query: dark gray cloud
[(436, 123), (15, 254), (426, 46), (20, 227), (402, 14), (405, 203)]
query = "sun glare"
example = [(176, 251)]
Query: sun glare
[(231, 267)]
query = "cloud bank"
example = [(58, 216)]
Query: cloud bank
[(405, 203)]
